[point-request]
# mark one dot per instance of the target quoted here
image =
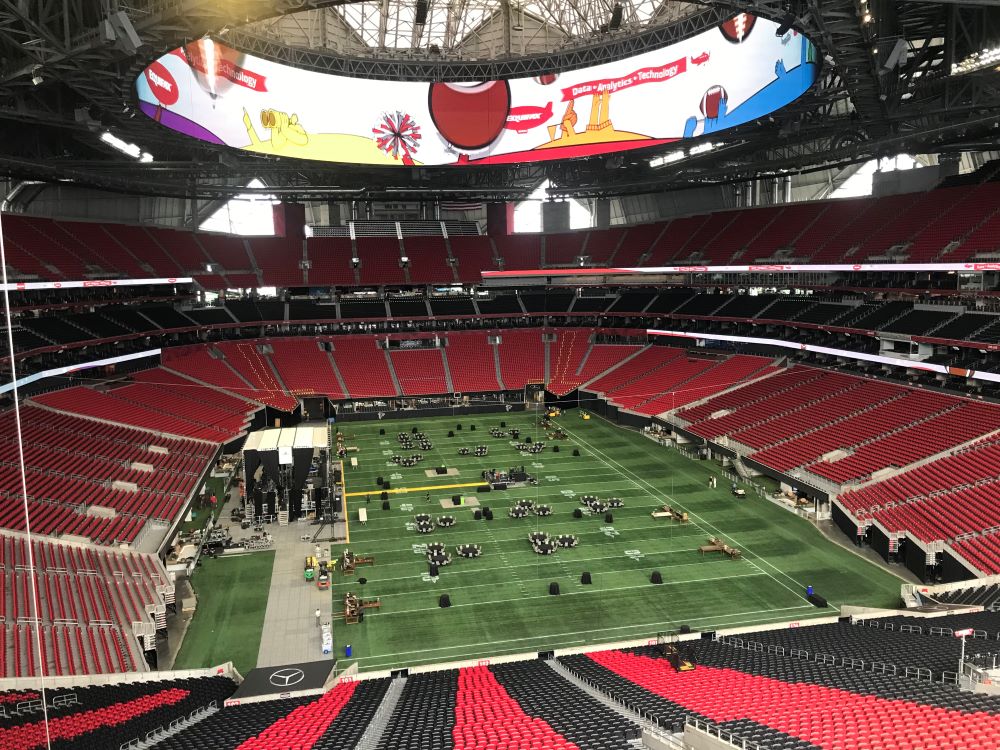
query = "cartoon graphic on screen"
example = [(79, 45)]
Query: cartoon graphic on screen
[(398, 135), (288, 137), (469, 117), (729, 75)]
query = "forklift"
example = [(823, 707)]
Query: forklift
[(309, 570)]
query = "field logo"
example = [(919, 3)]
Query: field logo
[(551, 478), (428, 578), (610, 531), (410, 526), (406, 507), (387, 452), (568, 493), (286, 677), (395, 475), (383, 442), (536, 465), (418, 549), (634, 554)]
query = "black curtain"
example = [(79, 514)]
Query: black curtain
[(269, 459), (251, 460), (301, 461)]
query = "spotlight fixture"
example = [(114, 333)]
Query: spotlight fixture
[(787, 21)]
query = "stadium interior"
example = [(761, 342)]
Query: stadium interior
[(500, 375)]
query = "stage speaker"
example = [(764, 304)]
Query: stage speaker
[(483, 488), (456, 500), (386, 485), (555, 448), (477, 515), (685, 629), (441, 470), (817, 601), (420, 14), (585, 577), (433, 570), (616, 17), (554, 589), (414, 430), (503, 424), (472, 427), (576, 451), (488, 514), (458, 427), (501, 485), (451, 433), (655, 577), (609, 518), (527, 439), (383, 496), (445, 601), (577, 513), (385, 505), (362, 581), (379, 480), (381, 430)]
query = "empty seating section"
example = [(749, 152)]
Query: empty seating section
[(428, 260), (635, 244), (380, 260), (305, 368), (962, 422), (978, 464), (713, 376), (944, 516), (776, 401), (104, 405), (425, 715), (199, 363), (330, 261), (87, 602), (519, 251), (471, 362), (247, 360), (601, 358), (856, 399), (474, 254), (982, 551), (542, 693), (71, 463), (522, 358), (566, 355), (334, 721), (116, 715), (419, 371), (987, 623), (564, 249), (948, 224), (279, 260), (637, 367), (363, 366), (786, 702), (883, 419), (668, 380), (601, 245)]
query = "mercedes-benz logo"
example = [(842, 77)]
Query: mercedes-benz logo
[(286, 677)]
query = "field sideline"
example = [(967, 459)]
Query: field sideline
[(500, 602)]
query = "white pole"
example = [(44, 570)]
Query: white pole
[(961, 660)]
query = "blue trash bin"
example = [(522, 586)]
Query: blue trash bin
[(347, 651), (809, 590)]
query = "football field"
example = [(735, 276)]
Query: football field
[(500, 601)]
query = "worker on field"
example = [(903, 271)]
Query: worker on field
[(428, 498), (318, 615)]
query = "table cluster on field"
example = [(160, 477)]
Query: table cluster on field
[(585, 513)]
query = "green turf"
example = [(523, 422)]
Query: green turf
[(500, 602), (232, 596)]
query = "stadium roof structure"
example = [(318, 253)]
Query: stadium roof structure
[(909, 76)]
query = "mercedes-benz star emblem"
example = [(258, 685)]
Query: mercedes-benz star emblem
[(286, 677)]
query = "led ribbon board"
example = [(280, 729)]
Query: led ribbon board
[(723, 77)]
